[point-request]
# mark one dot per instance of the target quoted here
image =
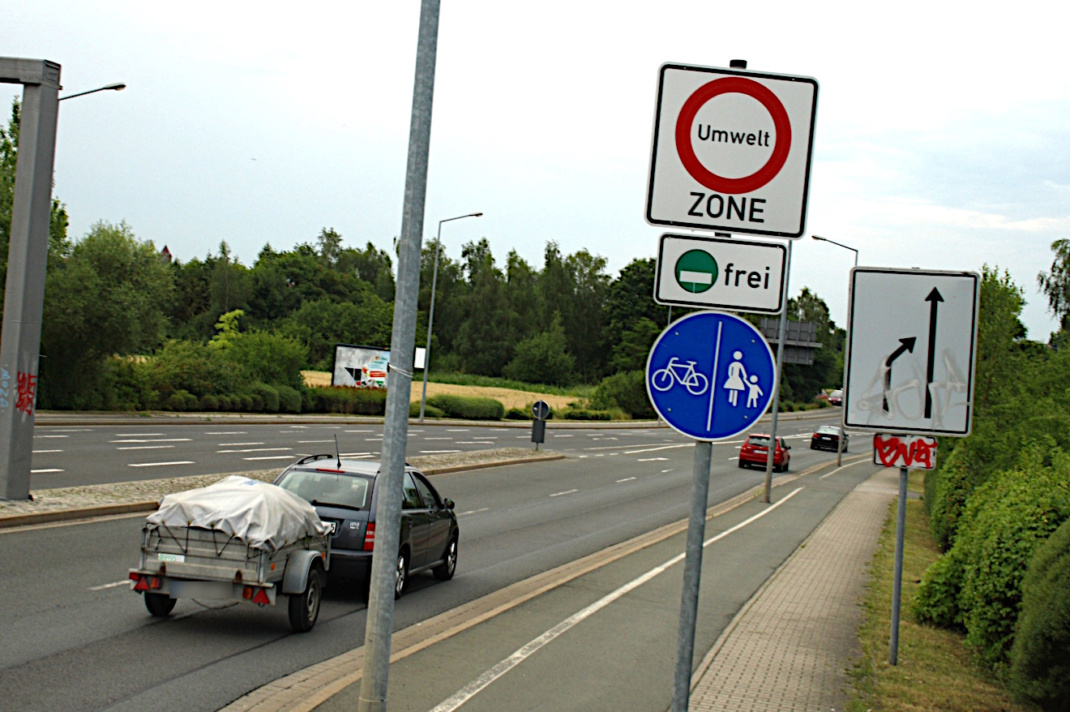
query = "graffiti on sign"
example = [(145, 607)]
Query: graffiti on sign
[(5, 388), (27, 390), (910, 451)]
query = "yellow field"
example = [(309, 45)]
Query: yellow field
[(508, 397)]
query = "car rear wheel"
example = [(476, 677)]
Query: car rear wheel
[(159, 604), (741, 464), (402, 576), (444, 572)]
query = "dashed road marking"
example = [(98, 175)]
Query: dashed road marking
[(562, 494), (160, 464)]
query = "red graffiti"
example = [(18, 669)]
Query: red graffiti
[(27, 385), (894, 451)]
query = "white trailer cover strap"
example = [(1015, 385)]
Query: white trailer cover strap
[(260, 514)]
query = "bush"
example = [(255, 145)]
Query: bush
[(1005, 520), (348, 400), (430, 411), (543, 358), (519, 414), (179, 401), (269, 397), (130, 380), (193, 367), (209, 403), (248, 403), (468, 408), (289, 399), (627, 391), (1040, 657), (581, 414)]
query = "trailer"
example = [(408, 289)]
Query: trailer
[(238, 540)]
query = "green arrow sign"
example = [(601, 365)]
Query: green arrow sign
[(696, 271)]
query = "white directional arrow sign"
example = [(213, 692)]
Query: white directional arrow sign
[(911, 348)]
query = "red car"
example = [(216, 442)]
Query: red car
[(755, 451)]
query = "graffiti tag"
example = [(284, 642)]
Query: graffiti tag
[(917, 451), (27, 391)]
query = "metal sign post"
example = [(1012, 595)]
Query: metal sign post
[(24, 294), (380, 619), (776, 394), (710, 376)]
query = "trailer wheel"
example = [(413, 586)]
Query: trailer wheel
[(159, 604), (305, 607)]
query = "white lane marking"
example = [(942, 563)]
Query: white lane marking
[(471, 442), (310, 442), (437, 452), (73, 430), (484, 437), (270, 457), (42, 452), (604, 447), (44, 472), (561, 494), (652, 459), (457, 430), (523, 653), (228, 432), (473, 511), (146, 447), (360, 431), (842, 468), (733, 458), (438, 438), (356, 454), (252, 449), (160, 464), (564, 436), (626, 479), (139, 435), (655, 449), (165, 440), (239, 444), (116, 584), (666, 471), (48, 437)]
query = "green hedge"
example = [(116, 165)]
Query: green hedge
[(289, 399), (468, 408), (625, 390), (1040, 657), (348, 401), (430, 411), (582, 414), (978, 582)]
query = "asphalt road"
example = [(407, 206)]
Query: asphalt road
[(86, 454), (75, 637)]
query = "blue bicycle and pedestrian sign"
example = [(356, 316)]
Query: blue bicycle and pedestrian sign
[(711, 375)]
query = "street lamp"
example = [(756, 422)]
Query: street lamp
[(431, 311), (117, 86), (843, 432)]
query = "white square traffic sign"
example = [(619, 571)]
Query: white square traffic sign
[(720, 273), (731, 150), (911, 349)]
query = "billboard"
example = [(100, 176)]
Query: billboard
[(364, 366)]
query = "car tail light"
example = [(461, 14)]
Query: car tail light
[(369, 537)]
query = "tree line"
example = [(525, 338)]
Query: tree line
[(564, 322)]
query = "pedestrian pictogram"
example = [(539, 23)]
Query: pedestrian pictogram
[(711, 375), (731, 150)]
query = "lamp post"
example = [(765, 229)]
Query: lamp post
[(431, 311), (843, 432), (117, 86)]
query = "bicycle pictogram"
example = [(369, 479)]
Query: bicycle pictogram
[(665, 378)]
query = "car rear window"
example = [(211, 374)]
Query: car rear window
[(759, 440), (329, 487)]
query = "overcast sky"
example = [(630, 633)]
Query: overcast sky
[(941, 138)]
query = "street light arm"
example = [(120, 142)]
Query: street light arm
[(117, 86), (825, 239)]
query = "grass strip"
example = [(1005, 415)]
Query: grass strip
[(935, 671)]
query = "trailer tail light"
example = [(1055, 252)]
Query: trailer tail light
[(256, 595), (369, 537), (144, 583)]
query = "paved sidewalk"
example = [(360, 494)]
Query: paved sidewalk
[(789, 648)]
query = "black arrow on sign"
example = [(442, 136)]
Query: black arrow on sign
[(904, 345), (934, 298)]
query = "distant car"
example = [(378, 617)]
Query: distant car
[(345, 493), (836, 398), (755, 451), (827, 437)]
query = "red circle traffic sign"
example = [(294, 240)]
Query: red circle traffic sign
[(781, 123)]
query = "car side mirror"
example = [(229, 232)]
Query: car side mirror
[(447, 503)]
